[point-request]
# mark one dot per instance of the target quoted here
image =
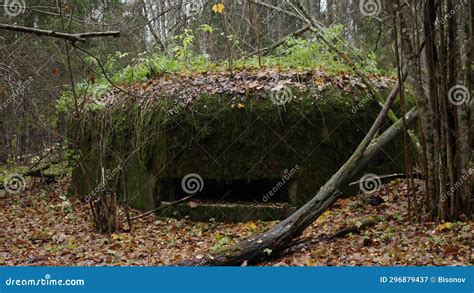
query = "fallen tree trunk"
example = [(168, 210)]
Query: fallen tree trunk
[(272, 242), (38, 173)]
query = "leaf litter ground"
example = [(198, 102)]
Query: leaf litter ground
[(41, 227)]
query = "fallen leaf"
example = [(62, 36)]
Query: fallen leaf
[(218, 8), (451, 250)]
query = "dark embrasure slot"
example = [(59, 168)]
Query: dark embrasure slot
[(256, 191)]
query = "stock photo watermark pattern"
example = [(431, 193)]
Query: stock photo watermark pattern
[(273, 13), (253, 143), (459, 95), (45, 281), (370, 183), (108, 176), (14, 7), (14, 183), (192, 183), (281, 96), (457, 8), (465, 177), (356, 279), (287, 177), (370, 7), (361, 105), (19, 89)]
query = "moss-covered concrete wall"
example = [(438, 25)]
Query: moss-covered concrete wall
[(225, 138)]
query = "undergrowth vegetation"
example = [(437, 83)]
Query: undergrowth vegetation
[(293, 54)]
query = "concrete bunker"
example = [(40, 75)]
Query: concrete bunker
[(259, 157)]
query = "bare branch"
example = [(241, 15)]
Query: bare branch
[(176, 202), (277, 8), (267, 50), (81, 37)]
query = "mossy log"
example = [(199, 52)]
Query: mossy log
[(47, 177)]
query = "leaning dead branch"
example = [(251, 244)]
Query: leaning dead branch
[(171, 204), (283, 234), (269, 49)]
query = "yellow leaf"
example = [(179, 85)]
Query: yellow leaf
[(120, 236), (240, 106), (218, 8), (309, 262), (252, 226), (318, 253), (71, 244), (322, 217), (444, 226)]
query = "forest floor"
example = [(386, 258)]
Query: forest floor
[(40, 226)]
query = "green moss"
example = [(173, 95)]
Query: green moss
[(218, 139)]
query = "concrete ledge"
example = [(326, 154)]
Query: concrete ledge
[(230, 212)]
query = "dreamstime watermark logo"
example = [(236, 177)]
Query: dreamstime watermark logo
[(274, 12), (370, 7), (466, 175), (458, 95), (361, 104), (453, 11), (19, 89), (369, 183), (108, 176), (178, 107), (281, 96), (14, 7), (192, 183), (288, 175), (14, 183), (193, 8), (45, 281)]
